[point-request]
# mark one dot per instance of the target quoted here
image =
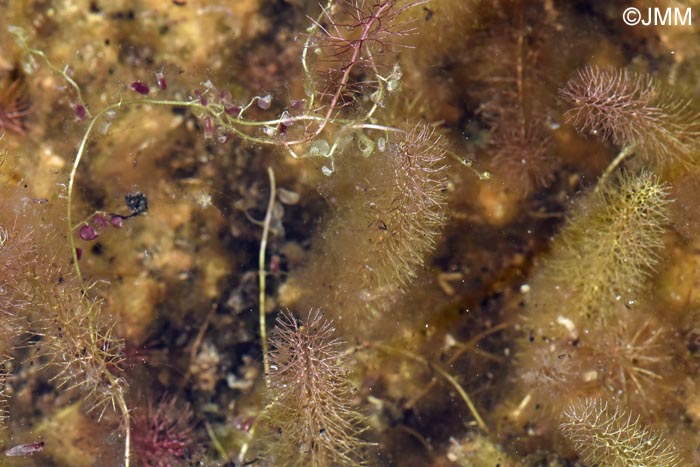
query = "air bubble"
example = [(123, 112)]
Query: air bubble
[(286, 118), (320, 148), (106, 122), (29, 65), (265, 102), (365, 144), (104, 127)]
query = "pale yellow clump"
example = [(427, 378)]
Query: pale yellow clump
[(607, 249), (608, 437)]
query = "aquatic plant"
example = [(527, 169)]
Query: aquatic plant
[(637, 111), (587, 331), (14, 107), (309, 420), (609, 246), (352, 39), (163, 434), (4, 373), (609, 437), (349, 39), (372, 262), (515, 100), (631, 360), (16, 251), (349, 43), (390, 209), (409, 209), (71, 339), (78, 343)]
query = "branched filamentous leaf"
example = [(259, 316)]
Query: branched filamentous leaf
[(309, 417), (611, 243), (608, 437), (635, 110)]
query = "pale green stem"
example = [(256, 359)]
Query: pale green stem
[(624, 154), (263, 273), (246, 445), (127, 426), (215, 442), (448, 377), (261, 277)]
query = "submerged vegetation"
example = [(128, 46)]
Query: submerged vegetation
[(468, 230), (309, 420), (618, 228), (604, 436), (637, 111), (388, 212)]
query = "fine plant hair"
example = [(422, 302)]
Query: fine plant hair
[(16, 251), (71, 338), (163, 433), (631, 359), (77, 342), (522, 154), (609, 246), (14, 108), (411, 225), (634, 357), (4, 397), (637, 111), (608, 437), (350, 46), (309, 420), (515, 99), (76, 338), (389, 210)]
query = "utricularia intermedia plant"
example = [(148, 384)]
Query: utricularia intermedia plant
[(355, 232)]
